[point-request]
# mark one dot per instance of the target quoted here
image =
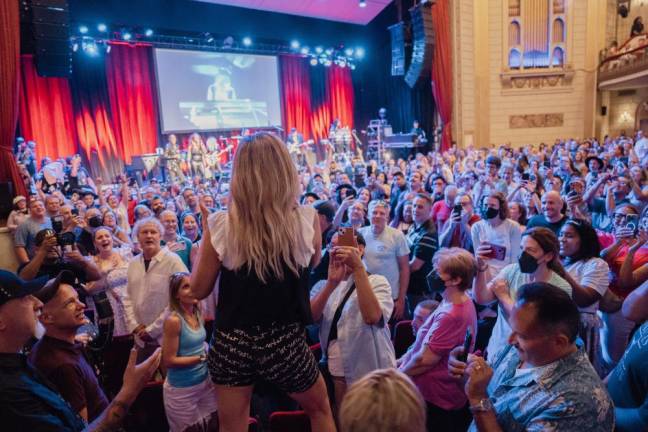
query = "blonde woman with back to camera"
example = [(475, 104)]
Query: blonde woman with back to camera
[(261, 250), (384, 400)]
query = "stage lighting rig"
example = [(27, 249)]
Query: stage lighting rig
[(362, 3)]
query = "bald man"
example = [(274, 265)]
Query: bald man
[(552, 216)]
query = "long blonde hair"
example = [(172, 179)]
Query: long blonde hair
[(385, 400), (264, 230)]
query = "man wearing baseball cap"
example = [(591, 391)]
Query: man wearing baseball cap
[(27, 400)]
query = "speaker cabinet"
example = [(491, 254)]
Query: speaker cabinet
[(422, 45), (45, 32), (397, 32)]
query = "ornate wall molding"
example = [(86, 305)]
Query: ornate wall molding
[(524, 121), (535, 80)]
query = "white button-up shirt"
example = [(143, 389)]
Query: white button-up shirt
[(147, 293)]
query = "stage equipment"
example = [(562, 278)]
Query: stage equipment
[(397, 32), (45, 32), (402, 140), (423, 43)]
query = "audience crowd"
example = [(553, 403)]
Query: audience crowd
[(519, 274)]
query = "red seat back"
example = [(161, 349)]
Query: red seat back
[(289, 421)]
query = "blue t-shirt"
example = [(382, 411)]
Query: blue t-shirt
[(628, 385)]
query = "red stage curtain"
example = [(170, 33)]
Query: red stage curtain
[(132, 99), (46, 115), (9, 90), (340, 94), (295, 94), (442, 68)]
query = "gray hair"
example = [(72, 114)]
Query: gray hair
[(378, 203), (147, 221)]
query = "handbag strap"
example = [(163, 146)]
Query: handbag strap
[(337, 315)]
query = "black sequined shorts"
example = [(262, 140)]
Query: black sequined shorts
[(277, 354)]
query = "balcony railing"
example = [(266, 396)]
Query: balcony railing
[(631, 58)]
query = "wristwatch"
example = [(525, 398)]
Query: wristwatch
[(482, 406)]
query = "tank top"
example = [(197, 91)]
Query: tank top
[(191, 343)]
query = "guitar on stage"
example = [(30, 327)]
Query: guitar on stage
[(213, 159)]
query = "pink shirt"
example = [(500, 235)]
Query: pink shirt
[(440, 213), (444, 330)]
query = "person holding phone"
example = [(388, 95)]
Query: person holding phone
[(456, 230), (538, 261), (352, 308), (497, 229), (426, 362)]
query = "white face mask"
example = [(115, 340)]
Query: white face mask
[(40, 330)]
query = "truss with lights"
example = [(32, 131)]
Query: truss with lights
[(95, 41)]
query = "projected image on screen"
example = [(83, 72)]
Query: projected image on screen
[(205, 90)]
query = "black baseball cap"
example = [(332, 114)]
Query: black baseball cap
[(12, 287), (50, 289)]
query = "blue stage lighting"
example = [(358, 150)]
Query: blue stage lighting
[(359, 52), (319, 50), (247, 41), (83, 29), (102, 27), (294, 44), (127, 36), (148, 33)]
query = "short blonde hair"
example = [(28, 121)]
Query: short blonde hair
[(456, 262), (385, 400)]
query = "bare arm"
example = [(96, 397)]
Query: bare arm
[(367, 301), (635, 306), (415, 264), (421, 362), (170, 343), (584, 296), (21, 254), (317, 242), (205, 273), (403, 276), (318, 302)]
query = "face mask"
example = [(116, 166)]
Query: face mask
[(489, 212), (528, 264), (94, 221), (434, 282)]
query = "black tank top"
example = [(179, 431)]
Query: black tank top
[(245, 302)]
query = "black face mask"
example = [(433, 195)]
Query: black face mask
[(434, 282), (94, 221), (528, 263), (489, 212)]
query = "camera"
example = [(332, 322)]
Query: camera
[(64, 239)]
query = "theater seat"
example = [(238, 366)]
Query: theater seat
[(289, 421), (403, 337)]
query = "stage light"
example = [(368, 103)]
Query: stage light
[(359, 52), (108, 48), (341, 62), (362, 3), (90, 48), (127, 36), (352, 66), (148, 33), (75, 46), (247, 41), (319, 50), (329, 51), (328, 62), (102, 27), (294, 44), (83, 29), (313, 61), (348, 52), (305, 50), (208, 37)]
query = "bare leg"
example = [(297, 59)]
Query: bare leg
[(340, 387), (233, 407), (315, 402)]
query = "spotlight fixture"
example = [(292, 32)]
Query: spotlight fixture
[(348, 52), (319, 50), (329, 51), (148, 33), (313, 61), (362, 3), (304, 50), (247, 41), (102, 27), (359, 52), (294, 44), (126, 35), (83, 29), (75, 46), (108, 48), (352, 66), (209, 38)]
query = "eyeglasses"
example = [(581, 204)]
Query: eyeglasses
[(624, 216)]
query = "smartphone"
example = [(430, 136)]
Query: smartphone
[(526, 176), (75, 211), (466, 346), (457, 208), (498, 252), (346, 237), (632, 222)]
